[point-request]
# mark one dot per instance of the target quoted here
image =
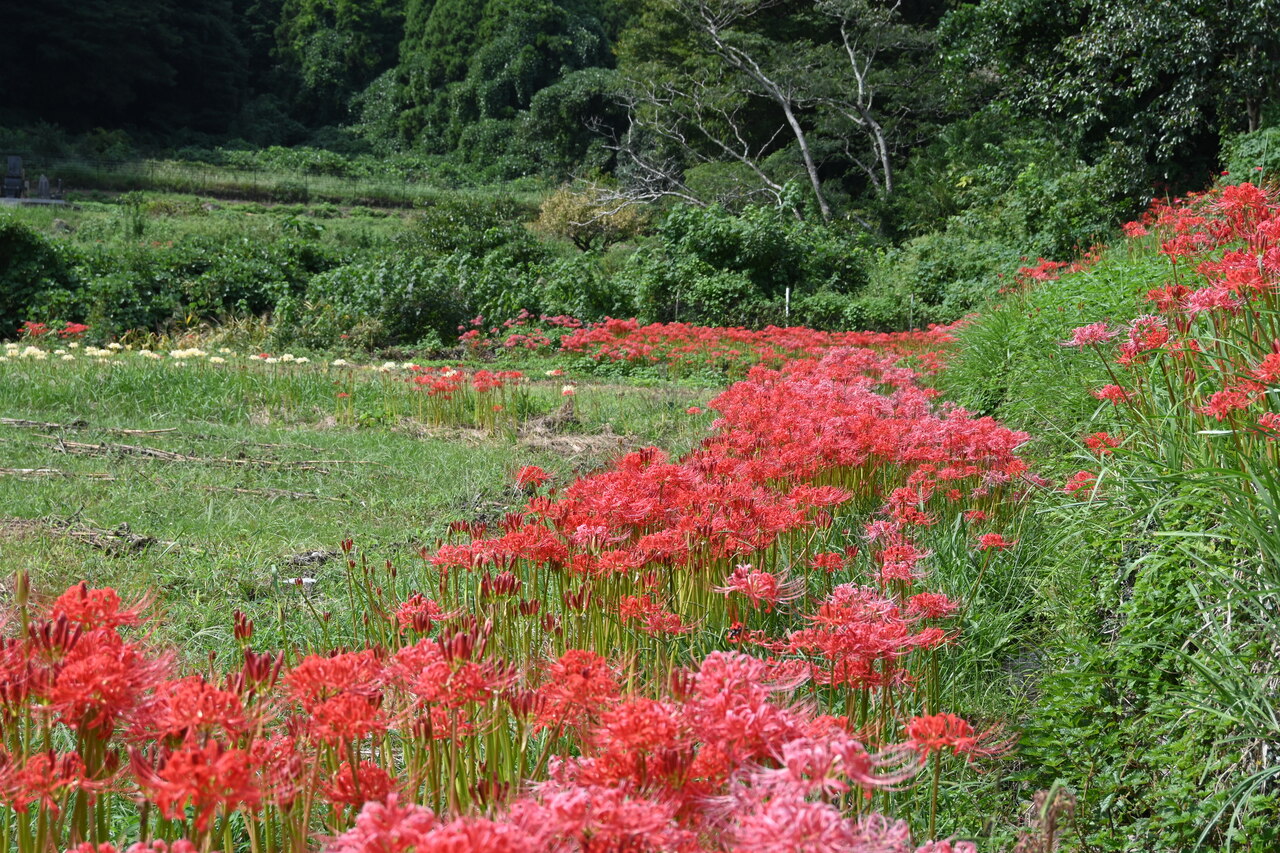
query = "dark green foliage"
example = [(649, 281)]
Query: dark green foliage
[(459, 258), (30, 266), (1166, 77), (568, 123), (338, 47), (1015, 202), (709, 266), (1253, 156), (470, 70), (373, 304), (462, 223), (148, 62), (116, 288)]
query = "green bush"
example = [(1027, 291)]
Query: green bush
[(31, 270), (399, 300), (706, 265), (461, 222), (581, 287), (1252, 156)]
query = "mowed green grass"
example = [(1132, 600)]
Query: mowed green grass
[(366, 467)]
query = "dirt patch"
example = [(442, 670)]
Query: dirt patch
[(117, 541), (466, 435), (574, 447), (19, 529), (562, 420), (75, 447)]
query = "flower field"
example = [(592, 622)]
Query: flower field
[(804, 626)]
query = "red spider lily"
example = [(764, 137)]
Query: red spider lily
[(1145, 334), (95, 608), (579, 685), (1091, 335), (370, 784), (419, 613), (901, 562), (280, 762), (531, 476), (1221, 404), (994, 542), (189, 707), (158, 845), (1080, 480), (318, 677), (761, 588), (33, 330), (828, 562), (931, 605), (1169, 299), (947, 732), (1102, 443), (681, 343), (347, 717), (387, 828), (203, 777), (431, 674), (650, 615), (72, 330), (46, 781), (101, 679), (1112, 393), (1268, 370), (1212, 300), (597, 817)]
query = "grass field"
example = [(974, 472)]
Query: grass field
[(235, 469)]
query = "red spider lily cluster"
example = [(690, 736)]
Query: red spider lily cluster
[(452, 395), (525, 331), (1045, 270), (728, 651), (684, 346), (31, 329), (1212, 344)]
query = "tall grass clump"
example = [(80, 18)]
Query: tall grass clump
[(1154, 373)]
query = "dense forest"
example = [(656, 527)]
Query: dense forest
[(871, 109)]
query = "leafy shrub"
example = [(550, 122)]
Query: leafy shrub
[(712, 267), (580, 286), (460, 222), (399, 300), (30, 266), (1248, 155)]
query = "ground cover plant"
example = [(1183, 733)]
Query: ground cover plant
[(1158, 696)]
